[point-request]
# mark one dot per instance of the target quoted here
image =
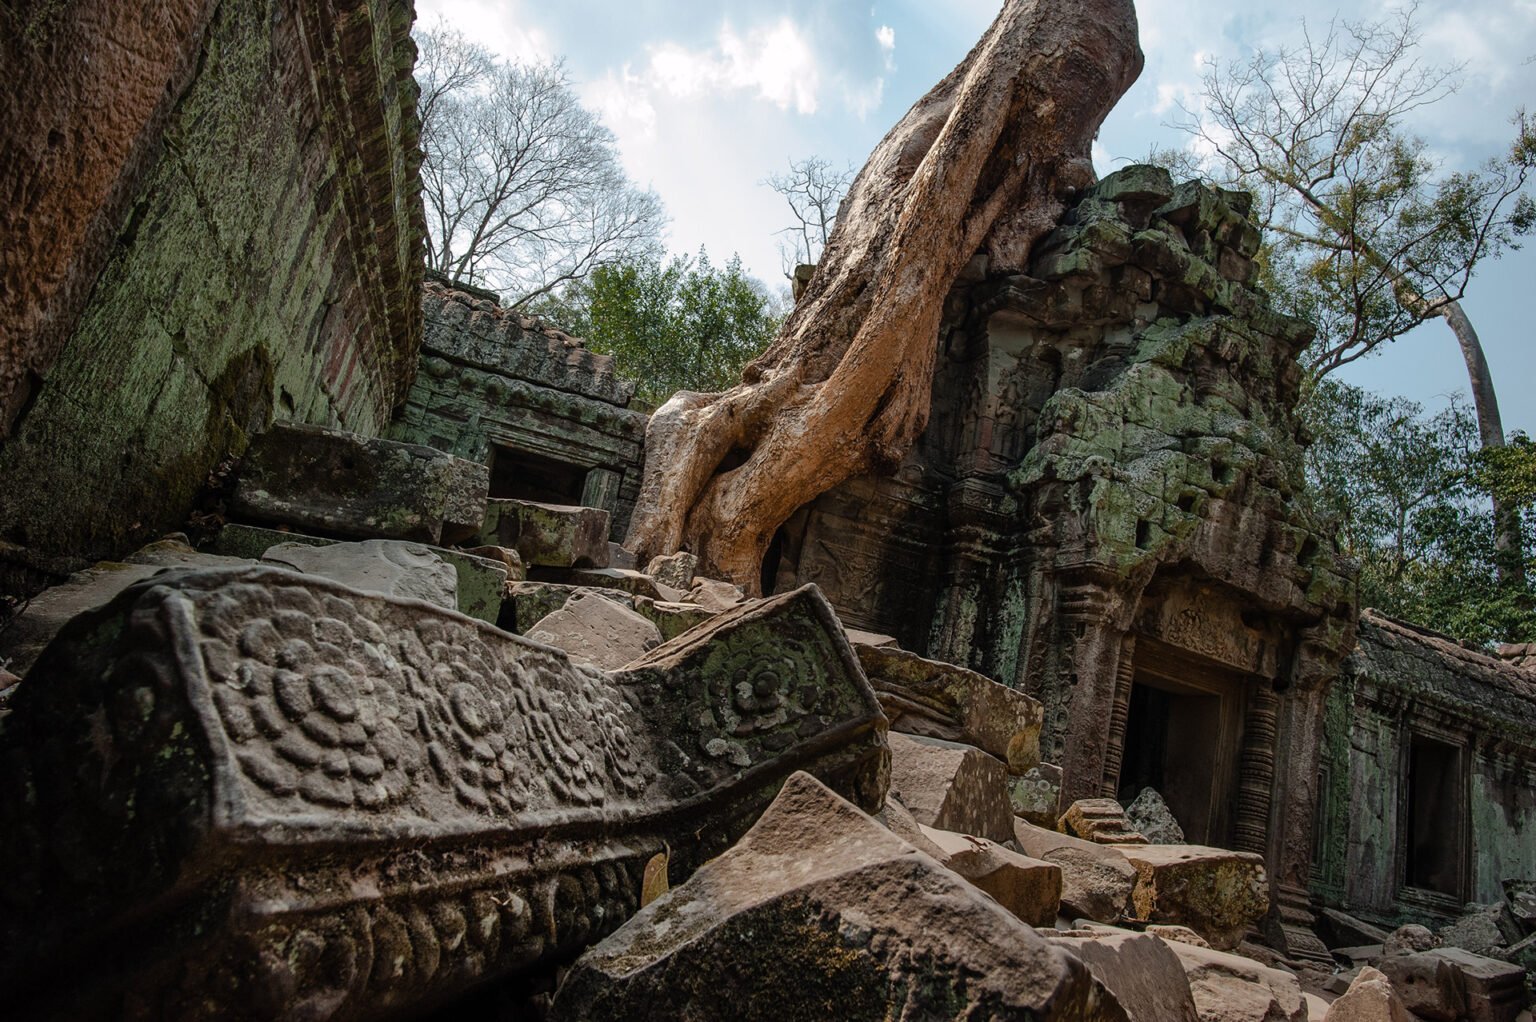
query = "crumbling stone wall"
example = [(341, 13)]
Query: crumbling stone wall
[(494, 383), (1404, 685), (263, 260)]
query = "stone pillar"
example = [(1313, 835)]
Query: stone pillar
[(1256, 777), (1114, 752), (1289, 846), (1092, 640), (601, 489)]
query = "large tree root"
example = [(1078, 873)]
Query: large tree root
[(983, 162)]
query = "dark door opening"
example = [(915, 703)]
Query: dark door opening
[(525, 476), (1436, 821), (1172, 743)]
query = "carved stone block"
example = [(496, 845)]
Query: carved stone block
[(549, 535), (253, 794)]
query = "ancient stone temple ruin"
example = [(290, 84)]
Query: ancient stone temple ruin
[(330, 689)]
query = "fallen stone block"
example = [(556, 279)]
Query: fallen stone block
[(1231, 988), (1029, 888), (1370, 998), (533, 601), (1495, 990), (1182, 934), (675, 570), (1217, 893), (878, 640), (1317, 1006), (634, 583), (672, 619), (597, 631), (25, 636), (329, 480), (389, 567), (1408, 938), (951, 786), (820, 913), (1150, 817), (1520, 903), (507, 557), (1096, 880), (1340, 929), (1431, 987), (548, 535), (714, 596), (1478, 930), (1100, 820), (1146, 978), (1035, 795), (939, 700), (257, 794)]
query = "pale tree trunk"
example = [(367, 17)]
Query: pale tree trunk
[(1508, 553), (985, 162)]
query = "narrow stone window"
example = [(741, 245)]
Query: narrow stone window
[(1436, 816), (526, 476)]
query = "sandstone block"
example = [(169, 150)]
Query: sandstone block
[(1431, 986), (939, 700), (1495, 990), (1150, 816), (1035, 795), (951, 786), (311, 477), (390, 567), (1096, 880), (1217, 893), (1100, 820), (714, 596), (634, 583), (673, 619), (1370, 998), (597, 631), (1408, 938), (1146, 978), (675, 570), (438, 803), (1520, 896), (821, 913), (548, 535), (1182, 934), (1029, 888), (1231, 988)]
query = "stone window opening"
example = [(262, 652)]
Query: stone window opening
[(1434, 831), (1175, 742), (523, 475)]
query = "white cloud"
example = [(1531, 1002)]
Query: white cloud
[(885, 35), (774, 62), (502, 26)]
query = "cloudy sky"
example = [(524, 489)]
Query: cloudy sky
[(709, 97)]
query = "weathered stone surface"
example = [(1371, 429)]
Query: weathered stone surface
[(1431, 986), (714, 596), (938, 700), (1150, 816), (1100, 820), (389, 567), (1230, 988), (1145, 977), (1520, 899), (212, 216), (1340, 929), (672, 618), (1217, 893), (951, 786), (1035, 795), (549, 535), (1370, 998), (820, 913), (209, 739), (1495, 990), (1096, 880), (1480, 929), (858, 637), (1182, 934), (675, 570), (312, 477), (25, 636), (1029, 888), (1408, 938), (635, 583), (596, 630)]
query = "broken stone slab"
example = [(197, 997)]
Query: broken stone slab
[(505, 556), (1231, 988), (389, 567), (938, 700), (1029, 888), (672, 619), (1408, 938), (1431, 986), (1218, 893), (714, 596), (621, 556), (25, 636), (1144, 975), (1182, 934), (675, 570), (1317, 1006), (1370, 998), (898, 819), (951, 786), (1520, 903), (1344, 930), (258, 794), (597, 631), (1495, 990), (1096, 880), (634, 583), (1150, 816), (1035, 795), (548, 535), (481, 579), (329, 480), (1480, 929), (858, 637), (532, 601), (1100, 820), (820, 913)]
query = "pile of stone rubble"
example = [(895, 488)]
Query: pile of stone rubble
[(385, 740)]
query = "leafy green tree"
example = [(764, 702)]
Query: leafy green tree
[(1409, 496), (679, 324)]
